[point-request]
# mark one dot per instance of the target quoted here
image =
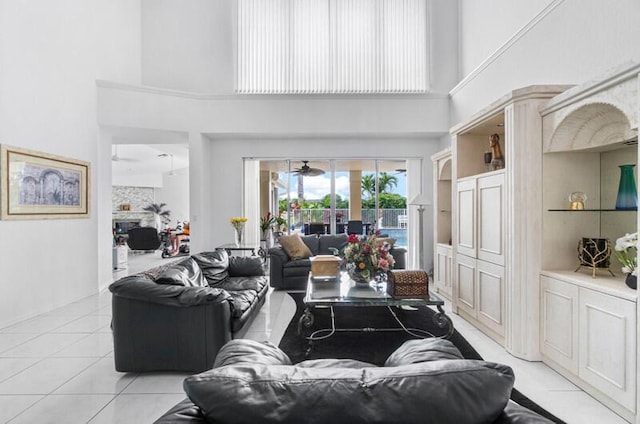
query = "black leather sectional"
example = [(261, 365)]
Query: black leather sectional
[(423, 382), (176, 317)]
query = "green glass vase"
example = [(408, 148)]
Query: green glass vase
[(627, 194)]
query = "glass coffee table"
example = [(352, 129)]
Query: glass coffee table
[(343, 291), (245, 247)]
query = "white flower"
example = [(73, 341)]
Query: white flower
[(626, 251)]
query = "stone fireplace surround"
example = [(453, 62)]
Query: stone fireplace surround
[(137, 198)]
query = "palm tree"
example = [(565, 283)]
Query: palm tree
[(160, 214), (387, 182), (369, 185)]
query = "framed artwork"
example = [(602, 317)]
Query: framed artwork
[(36, 185)]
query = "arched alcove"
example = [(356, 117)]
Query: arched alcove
[(592, 126), (444, 171)]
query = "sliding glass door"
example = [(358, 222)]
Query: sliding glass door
[(336, 196)]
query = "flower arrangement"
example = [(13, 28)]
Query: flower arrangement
[(627, 253), (267, 221), (238, 222), (366, 256), (281, 221)]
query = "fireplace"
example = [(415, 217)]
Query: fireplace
[(122, 226), (123, 221)]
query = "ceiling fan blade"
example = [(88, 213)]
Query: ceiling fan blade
[(314, 172)]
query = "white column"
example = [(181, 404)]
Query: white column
[(523, 222)]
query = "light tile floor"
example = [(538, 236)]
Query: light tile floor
[(58, 367)]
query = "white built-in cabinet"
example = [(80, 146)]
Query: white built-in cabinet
[(496, 220), (515, 239), (480, 250), (589, 325), (589, 334), (443, 261)]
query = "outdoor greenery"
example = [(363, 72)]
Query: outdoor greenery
[(387, 199), (386, 182)]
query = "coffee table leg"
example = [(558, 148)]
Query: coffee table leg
[(306, 320), (442, 320)]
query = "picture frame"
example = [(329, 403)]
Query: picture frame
[(38, 185)]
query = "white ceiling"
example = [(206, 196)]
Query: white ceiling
[(142, 159)]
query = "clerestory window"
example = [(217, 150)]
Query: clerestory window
[(332, 46)]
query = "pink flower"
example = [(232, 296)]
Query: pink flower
[(353, 238), (383, 264)]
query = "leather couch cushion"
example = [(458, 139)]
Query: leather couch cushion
[(248, 266), (336, 241), (295, 247), (243, 351), (241, 301), (416, 351), (214, 266), (232, 284), (312, 243), (184, 273), (299, 263), (444, 391)]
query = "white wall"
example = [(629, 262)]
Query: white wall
[(51, 53), (226, 164), (485, 25), (175, 193), (188, 45), (574, 41), (139, 180)]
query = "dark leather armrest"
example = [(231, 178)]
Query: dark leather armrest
[(278, 252), (517, 414), (186, 412), (142, 288)]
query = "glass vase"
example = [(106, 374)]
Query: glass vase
[(239, 235), (627, 199)]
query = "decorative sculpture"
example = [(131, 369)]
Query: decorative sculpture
[(594, 253), (497, 158)]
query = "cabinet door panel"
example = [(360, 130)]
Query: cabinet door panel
[(607, 345), (466, 280), (442, 270), (490, 219), (490, 278), (466, 210), (559, 320)]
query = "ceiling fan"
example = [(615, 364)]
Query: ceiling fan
[(306, 171)]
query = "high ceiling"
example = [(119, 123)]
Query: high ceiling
[(141, 159)]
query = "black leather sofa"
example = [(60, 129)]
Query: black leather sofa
[(424, 381), (176, 317), (285, 273), (143, 238)]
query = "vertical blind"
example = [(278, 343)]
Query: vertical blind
[(332, 46)]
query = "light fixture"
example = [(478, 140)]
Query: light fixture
[(172, 172)]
